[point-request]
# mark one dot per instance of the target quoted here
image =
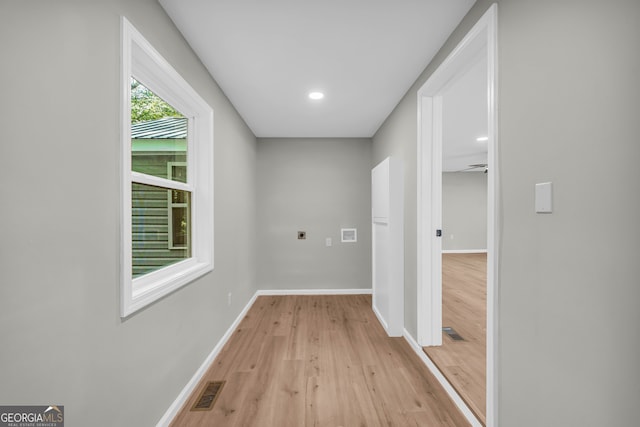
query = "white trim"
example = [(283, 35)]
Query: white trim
[(493, 227), (126, 250), (448, 388), (193, 382), (380, 317), (429, 299), (481, 39), (142, 62), (155, 181), (155, 285), (464, 251), (273, 292)]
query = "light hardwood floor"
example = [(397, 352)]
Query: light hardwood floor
[(320, 361), (464, 308)]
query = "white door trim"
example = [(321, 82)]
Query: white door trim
[(429, 219), (481, 39)]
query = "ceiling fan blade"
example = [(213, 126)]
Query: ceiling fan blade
[(476, 166)]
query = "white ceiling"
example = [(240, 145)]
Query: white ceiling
[(267, 55)]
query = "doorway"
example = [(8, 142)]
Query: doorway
[(462, 356), (479, 46)]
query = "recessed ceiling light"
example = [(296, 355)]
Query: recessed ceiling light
[(482, 139), (316, 95)]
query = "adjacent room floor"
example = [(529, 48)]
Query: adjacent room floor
[(319, 361), (464, 308)]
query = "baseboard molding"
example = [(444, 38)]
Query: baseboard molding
[(462, 406), (380, 318), (191, 385), (314, 292), (464, 251)]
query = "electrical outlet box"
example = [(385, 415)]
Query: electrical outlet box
[(348, 235)]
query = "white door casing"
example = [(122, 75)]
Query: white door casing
[(480, 40)]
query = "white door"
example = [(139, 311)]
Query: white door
[(388, 245)]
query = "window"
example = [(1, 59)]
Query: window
[(179, 207), (167, 182)]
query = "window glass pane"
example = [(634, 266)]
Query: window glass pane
[(178, 196), (161, 229), (158, 136), (178, 172), (179, 230)]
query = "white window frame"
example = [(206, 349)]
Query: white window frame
[(141, 61)]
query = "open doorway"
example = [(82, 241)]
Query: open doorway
[(449, 143), (462, 356)]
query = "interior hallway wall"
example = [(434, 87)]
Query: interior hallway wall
[(63, 340), (464, 211), (568, 100), (318, 186)]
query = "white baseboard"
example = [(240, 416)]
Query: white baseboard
[(468, 414), (380, 318), (191, 385), (464, 251), (314, 292)]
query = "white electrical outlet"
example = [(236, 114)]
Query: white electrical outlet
[(229, 299), (328, 241)]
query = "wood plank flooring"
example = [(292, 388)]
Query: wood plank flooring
[(464, 308), (319, 361)]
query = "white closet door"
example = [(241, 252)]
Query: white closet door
[(388, 245)]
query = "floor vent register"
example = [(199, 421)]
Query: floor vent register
[(452, 334), (208, 396)]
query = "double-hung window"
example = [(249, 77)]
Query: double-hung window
[(167, 181)]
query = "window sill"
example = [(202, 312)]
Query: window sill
[(154, 286)]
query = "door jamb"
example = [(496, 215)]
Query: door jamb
[(483, 36)]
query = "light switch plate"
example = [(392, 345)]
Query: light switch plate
[(544, 197)]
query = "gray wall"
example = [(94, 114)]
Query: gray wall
[(464, 210), (318, 186), (62, 337), (568, 294)]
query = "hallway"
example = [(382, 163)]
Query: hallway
[(319, 361)]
